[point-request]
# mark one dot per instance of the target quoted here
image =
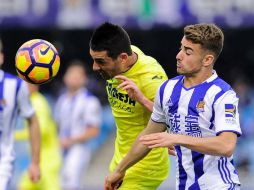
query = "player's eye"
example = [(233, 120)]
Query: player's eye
[(188, 52), (100, 61)]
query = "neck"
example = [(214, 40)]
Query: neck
[(193, 80), (73, 92), (132, 59)]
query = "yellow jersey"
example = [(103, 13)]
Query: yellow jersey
[(131, 117), (50, 147)]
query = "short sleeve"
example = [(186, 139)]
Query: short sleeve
[(93, 114), (23, 100), (226, 114), (57, 108), (158, 114), (152, 83)]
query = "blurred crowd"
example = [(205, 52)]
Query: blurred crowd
[(244, 154)]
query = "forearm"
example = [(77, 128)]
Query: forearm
[(90, 133), (217, 145), (34, 136), (137, 153), (148, 104), (138, 150)]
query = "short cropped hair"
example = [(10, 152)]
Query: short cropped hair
[(77, 63), (209, 36), (111, 38)]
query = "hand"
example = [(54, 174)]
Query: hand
[(172, 151), (113, 181), (131, 88), (66, 143), (34, 172), (159, 140)]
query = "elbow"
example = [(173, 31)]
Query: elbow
[(228, 151), (227, 142), (96, 132)]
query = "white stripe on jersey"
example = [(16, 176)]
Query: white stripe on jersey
[(201, 111), (75, 113), (14, 97)]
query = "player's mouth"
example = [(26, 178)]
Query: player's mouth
[(178, 65), (104, 75)]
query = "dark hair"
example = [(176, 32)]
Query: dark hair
[(111, 38), (78, 63), (209, 36)]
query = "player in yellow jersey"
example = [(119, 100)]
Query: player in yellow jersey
[(132, 81), (50, 148)]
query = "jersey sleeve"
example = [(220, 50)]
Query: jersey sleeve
[(23, 101), (226, 114), (56, 110), (93, 114), (158, 116), (152, 81)]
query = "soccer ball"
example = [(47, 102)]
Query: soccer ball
[(37, 61)]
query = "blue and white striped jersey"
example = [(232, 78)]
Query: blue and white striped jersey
[(204, 110), (14, 100), (75, 113)]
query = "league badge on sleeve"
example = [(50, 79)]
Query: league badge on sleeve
[(230, 110), (230, 113)]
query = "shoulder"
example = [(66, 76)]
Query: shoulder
[(171, 82), (168, 86), (11, 77), (38, 98), (136, 50), (146, 60), (224, 86), (90, 97), (14, 82), (221, 90), (177, 78), (61, 98)]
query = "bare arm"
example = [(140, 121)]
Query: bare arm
[(136, 153), (91, 132), (222, 145), (134, 92), (34, 136)]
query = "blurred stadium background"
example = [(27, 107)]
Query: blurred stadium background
[(156, 27)]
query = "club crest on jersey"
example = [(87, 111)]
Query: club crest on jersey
[(200, 106), (230, 110)]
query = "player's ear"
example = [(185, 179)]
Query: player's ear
[(1, 58), (208, 60), (123, 57)]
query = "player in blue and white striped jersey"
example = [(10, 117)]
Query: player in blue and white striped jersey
[(206, 110), (200, 112), (14, 100), (78, 115)]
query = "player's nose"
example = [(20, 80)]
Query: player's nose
[(179, 56), (95, 66)]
